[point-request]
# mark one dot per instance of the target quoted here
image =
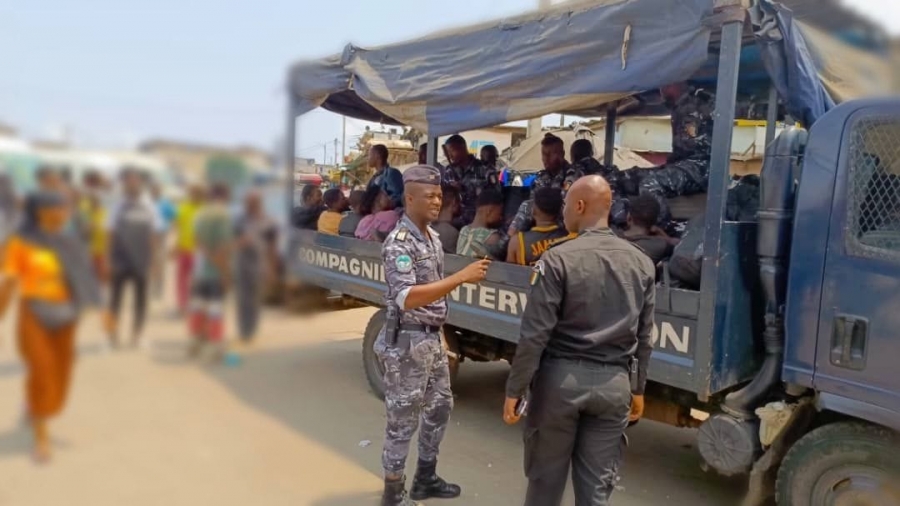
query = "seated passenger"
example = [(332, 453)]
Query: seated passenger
[(469, 176), (444, 225), (306, 215), (527, 247), (351, 219), (483, 238), (642, 230), (553, 156), (335, 205), (379, 215), (490, 156)]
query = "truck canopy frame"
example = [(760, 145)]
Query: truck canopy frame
[(583, 58)]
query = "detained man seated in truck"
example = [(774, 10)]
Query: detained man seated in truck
[(379, 215), (444, 224), (351, 219), (526, 248), (335, 205), (483, 238), (490, 157), (553, 156), (306, 216), (643, 214), (386, 177)]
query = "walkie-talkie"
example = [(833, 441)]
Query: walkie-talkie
[(392, 325)]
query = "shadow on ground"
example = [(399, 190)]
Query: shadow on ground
[(309, 388)]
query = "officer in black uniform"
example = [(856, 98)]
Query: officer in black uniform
[(584, 350)]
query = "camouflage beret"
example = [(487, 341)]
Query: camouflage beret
[(425, 174)]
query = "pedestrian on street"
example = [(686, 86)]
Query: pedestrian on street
[(166, 210), (212, 274), (417, 376), (584, 350), (257, 237), (52, 272), (134, 227), (185, 247)]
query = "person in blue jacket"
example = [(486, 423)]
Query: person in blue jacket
[(386, 177)]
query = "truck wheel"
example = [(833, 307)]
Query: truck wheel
[(375, 370), (371, 364), (842, 463)]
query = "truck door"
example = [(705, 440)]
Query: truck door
[(858, 351)]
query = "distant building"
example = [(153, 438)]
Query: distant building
[(8, 131), (307, 166), (190, 159)]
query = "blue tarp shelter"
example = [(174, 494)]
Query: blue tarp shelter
[(574, 58)]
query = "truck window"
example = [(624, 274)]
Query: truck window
[(874, 188)]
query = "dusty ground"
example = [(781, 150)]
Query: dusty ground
[(282, 428)]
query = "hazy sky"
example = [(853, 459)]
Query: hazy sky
[(116, 72)]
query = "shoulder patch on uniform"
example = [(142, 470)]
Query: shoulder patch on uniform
[(537, 272), (403, 263), (402, 234)]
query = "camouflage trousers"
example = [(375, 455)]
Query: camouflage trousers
[(678, 179), (417, 396)]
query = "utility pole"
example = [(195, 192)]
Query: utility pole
[(336, 163), (535, 124), (344, 139), (324, 153)]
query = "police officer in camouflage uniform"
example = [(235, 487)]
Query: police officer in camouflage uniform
[(469, 176), (687, 169), (584, 351), (417, 377), (553, 156)]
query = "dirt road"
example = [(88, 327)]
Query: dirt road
[(283, 428)]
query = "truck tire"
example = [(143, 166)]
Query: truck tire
[(375, 370), (371, 363), (841, 463)]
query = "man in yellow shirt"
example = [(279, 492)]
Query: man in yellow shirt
[(185, 246)]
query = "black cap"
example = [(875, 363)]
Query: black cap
[(424, 174)]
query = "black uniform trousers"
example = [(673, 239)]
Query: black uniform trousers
[(578, 413)]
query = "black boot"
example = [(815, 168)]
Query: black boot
[(428, 484), (395, 493)]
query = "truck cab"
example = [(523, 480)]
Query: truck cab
[(844, 284)]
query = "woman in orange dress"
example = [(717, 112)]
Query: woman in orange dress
[(52, 273)]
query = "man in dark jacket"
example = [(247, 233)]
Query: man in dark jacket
[(386, 177), (306, 216), (643, 232), (584, 351)]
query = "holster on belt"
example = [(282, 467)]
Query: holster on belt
[(392, 325)]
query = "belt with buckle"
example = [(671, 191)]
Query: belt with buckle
[(418, 327)]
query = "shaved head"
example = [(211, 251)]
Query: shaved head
[(587, 204)]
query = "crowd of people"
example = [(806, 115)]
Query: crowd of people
[(69, 247), (473, 221)]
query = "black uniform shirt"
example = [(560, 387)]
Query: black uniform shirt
[(592, 298)]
